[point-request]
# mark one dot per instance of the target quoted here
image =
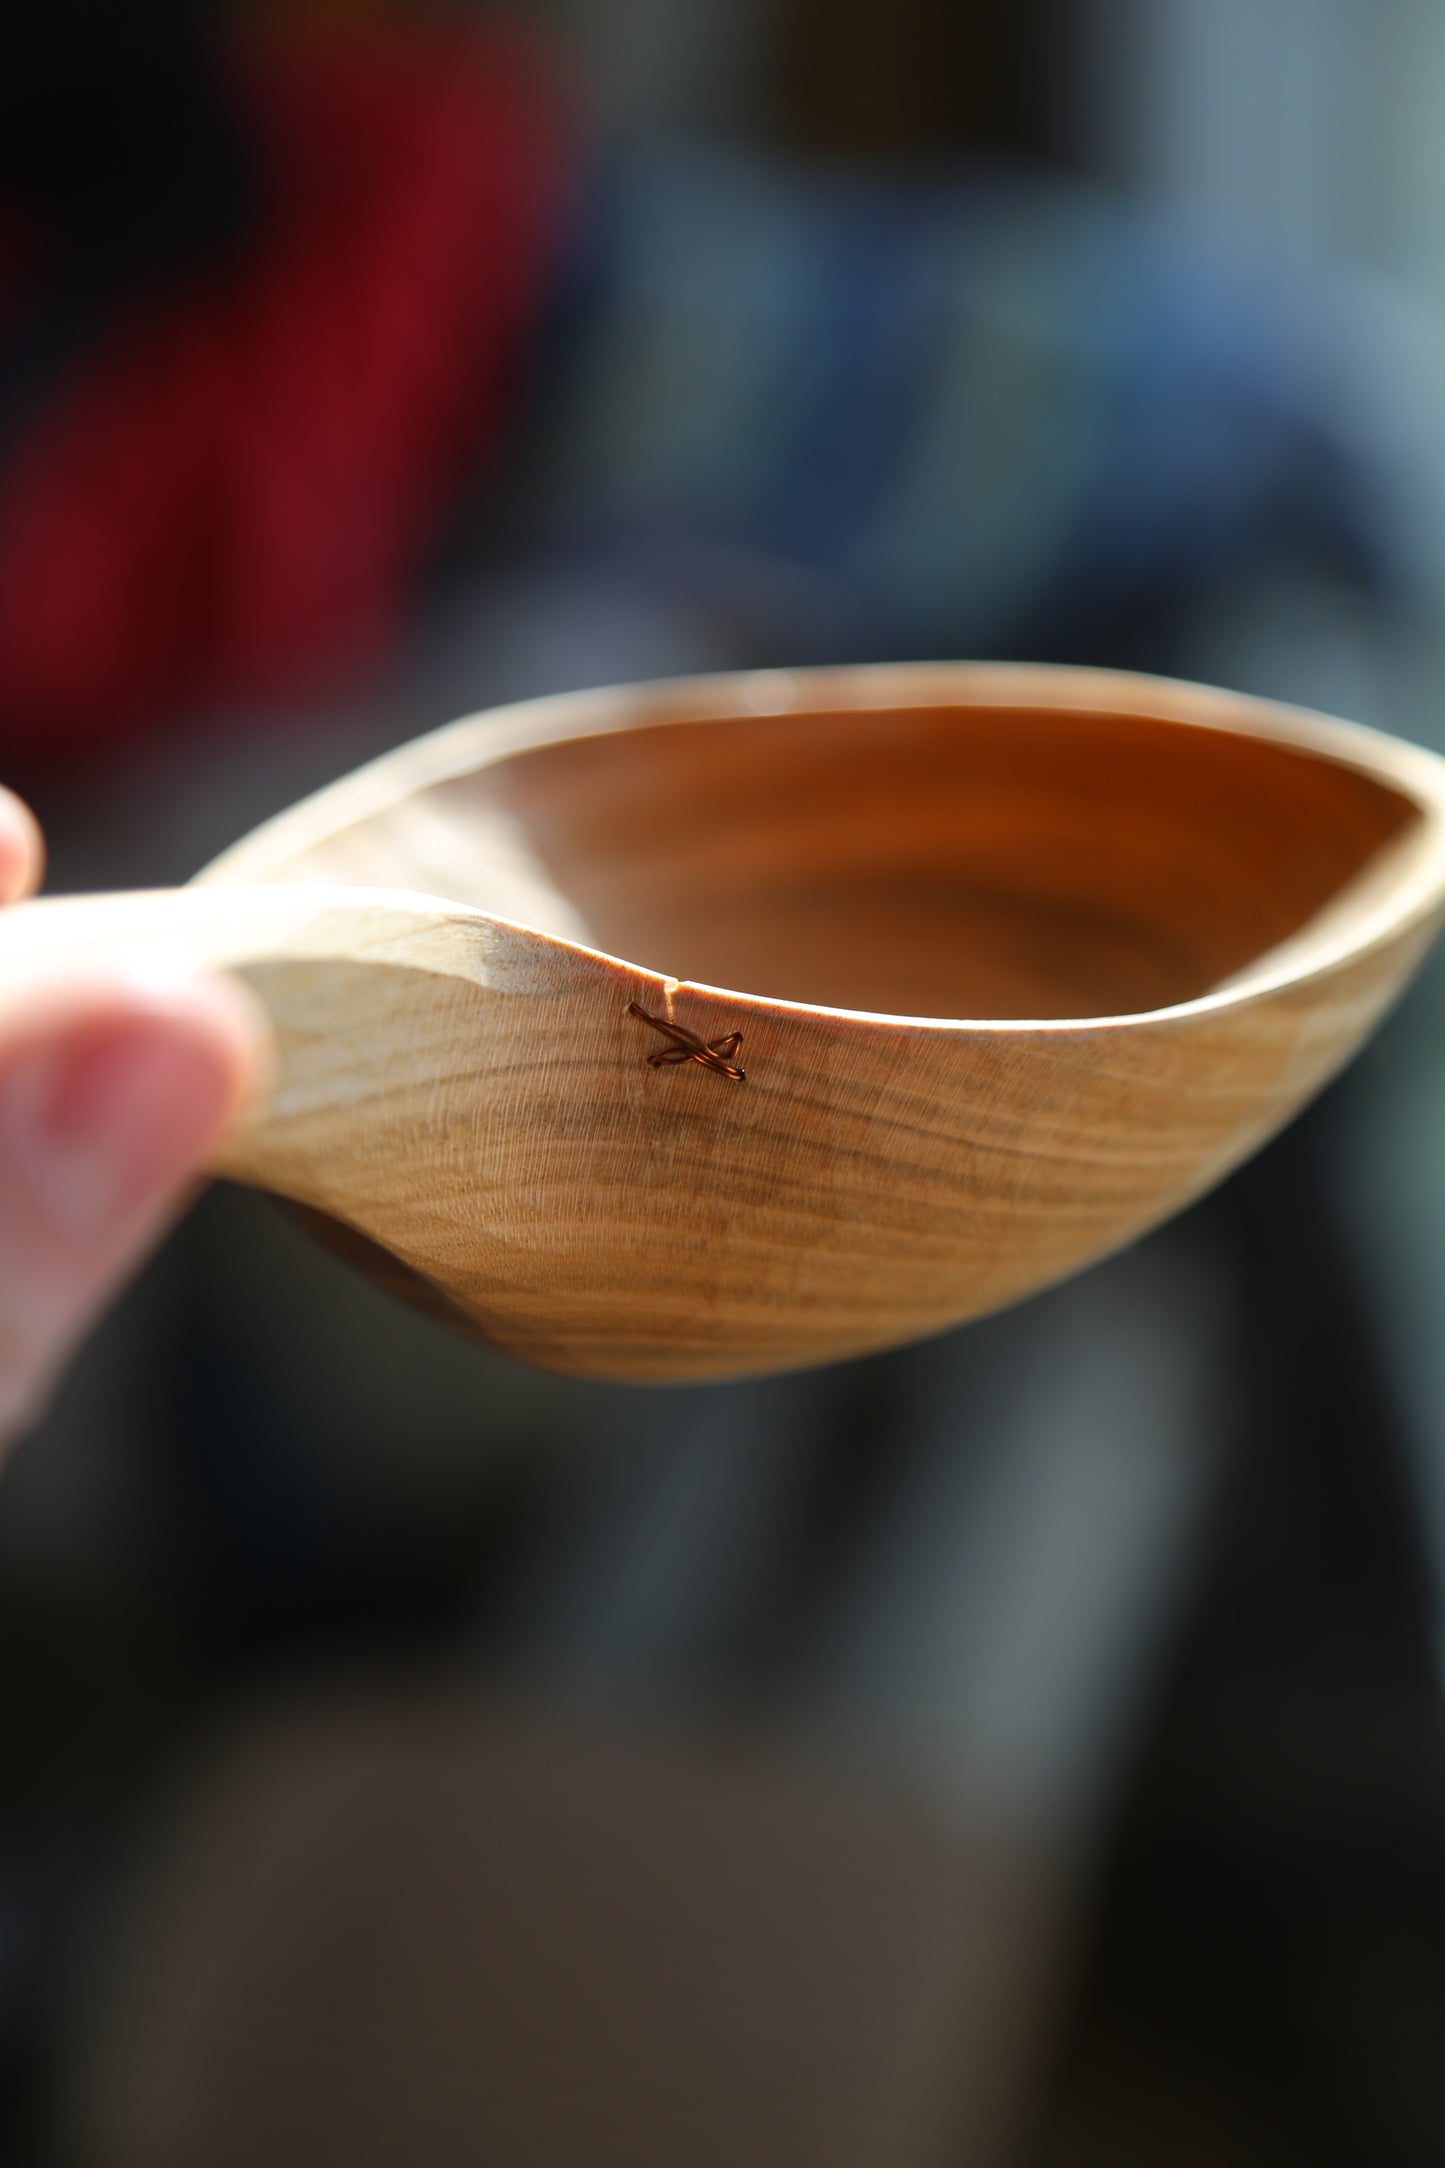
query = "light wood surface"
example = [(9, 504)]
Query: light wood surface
[(1023, 960)]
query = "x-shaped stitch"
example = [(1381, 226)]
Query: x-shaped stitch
[(691, 1046)]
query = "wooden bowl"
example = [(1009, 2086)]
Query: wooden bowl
[(941, 982)]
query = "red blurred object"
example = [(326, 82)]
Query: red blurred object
[(230, 494)]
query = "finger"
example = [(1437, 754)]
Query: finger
[(22, 852), (110, 1097)]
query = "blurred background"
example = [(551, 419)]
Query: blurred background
[(1025, 1749)]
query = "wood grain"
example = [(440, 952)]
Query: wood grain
[(1024, 960)]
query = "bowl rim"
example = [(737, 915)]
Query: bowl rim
[(484, 738)]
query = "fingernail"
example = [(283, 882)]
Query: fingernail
[(22, 853), (101, 1127)]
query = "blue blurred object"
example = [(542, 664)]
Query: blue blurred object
[(973, 413)]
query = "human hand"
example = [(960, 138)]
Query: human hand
[(112, 1089)]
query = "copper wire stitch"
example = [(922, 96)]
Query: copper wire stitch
[(691, 1046)]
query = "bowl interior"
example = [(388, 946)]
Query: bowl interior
[(929, 861)]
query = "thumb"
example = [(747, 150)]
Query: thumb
[(111, 1094)]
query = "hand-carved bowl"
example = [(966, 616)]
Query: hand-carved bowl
[(940, 982)]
